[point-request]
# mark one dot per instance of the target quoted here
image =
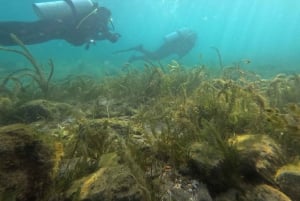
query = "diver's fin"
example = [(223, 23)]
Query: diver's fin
[(135, 48)]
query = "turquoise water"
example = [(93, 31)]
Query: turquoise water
[(267, 32)]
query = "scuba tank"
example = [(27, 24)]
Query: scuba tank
[(63, 9), (176, 34), (171, 36)]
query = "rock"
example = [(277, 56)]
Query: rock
[(108, 108), (230, 195), (183, 189), (201, 193), (25, 166), (112, 181), (260, 156), (288, 178), (6, 106), (119, 125), (265, 193), (36, 110), (209, 164), (205, 157)]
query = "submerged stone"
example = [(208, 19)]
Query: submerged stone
[(6, 108), (112, 181), (265, 193), (288, 178), (25, 165), (43, 110), (183, 190), (259, 155), (205, 157)]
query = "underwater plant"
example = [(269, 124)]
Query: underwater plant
[(166, 110), (284, 126), (229, 164), (36, 74), (76, 88), (219, 57), (83, 145), (283, 89)]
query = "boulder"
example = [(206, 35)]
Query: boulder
[(6, 107), (25, 166), (288, 178), (185, 189), (205, 157), (209, 165), (265, 193), (41, 109), (260, 156), (112, 181), (230, 195)]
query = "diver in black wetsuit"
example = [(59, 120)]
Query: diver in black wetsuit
[(178, 43), (77, 27)]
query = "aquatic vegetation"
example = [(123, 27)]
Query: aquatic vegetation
[(76, 89), (219, 57), (194, 99), (282, 90), (88, 142), (78, 146), (202, 110), (136, 86), (228, 168), (284, 126), (151, 118), (237, 73), (36, 74)]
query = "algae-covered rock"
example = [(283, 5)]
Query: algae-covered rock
[(6, 107), (185, 189), (103, 108), (288, 178), (40, 109), (230, 195), (265, 193), (25, 165), (6, 104), (211, 166), (259, 154), (205, 157), (112, 181), (120, 125)]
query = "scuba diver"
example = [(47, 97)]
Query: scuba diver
[(179, 43), (76, 21)]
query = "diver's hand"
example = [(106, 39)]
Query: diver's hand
[(87, 45), (114, 37)]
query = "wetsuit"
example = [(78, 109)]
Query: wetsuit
[(75, 31)]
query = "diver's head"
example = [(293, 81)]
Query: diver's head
[(192, 36), (105, 17), (104, 13), (188, 34)]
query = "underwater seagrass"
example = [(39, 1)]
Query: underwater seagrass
[(36, 74)]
